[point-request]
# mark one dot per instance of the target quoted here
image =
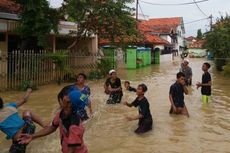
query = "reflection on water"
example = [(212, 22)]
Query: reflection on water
[(206, 131)]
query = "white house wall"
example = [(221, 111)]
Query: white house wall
[(180, 39)]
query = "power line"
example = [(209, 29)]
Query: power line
[(165, 4), (142, 11), (195, 2), (196, 20)]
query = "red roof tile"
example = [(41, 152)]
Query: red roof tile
[(176, 21), (191, 38), (8, 6), (161, 25), (153, 39), (197, 44)]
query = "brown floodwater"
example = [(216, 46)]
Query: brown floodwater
[(206, 131)]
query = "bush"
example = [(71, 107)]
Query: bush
[(104, 65), (95, 75), (220, 64), (226, 69), (27, 84)]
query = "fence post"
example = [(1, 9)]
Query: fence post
[(3, 70)]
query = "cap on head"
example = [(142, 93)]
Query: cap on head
[(186, 60), (112, 71)]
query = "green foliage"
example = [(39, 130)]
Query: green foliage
[(109, 19), (95, 75), (199, 34), (226, 69), (217, 41), (104, 65), (27, 84), (37, 20), (58, 58)]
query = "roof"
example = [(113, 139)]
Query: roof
[(197, 44), (9, 6), (191, 38), (162, 25), (155, 40), (166, 21)]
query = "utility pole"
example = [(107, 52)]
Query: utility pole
[(137, 4), (211, 22)]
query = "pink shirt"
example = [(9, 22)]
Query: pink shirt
[(73, 137)]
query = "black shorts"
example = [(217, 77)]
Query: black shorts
[(179, 105), (29, 128), (115, 98), (144, 125)]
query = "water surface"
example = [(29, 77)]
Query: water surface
[(206, 131)]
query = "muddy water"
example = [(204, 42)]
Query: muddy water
[(206, 131)]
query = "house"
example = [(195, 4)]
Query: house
[(189, 40), (195, 47), (170, 29), (10, 40)]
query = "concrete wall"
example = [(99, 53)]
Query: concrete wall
[(166, 37)]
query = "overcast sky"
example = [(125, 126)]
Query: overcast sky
[(188, 12)]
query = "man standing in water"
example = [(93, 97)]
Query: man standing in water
[(187, 72), (206, 83), (113, 85), (13, 125), (69, 124), (84, 89), (176, 96)]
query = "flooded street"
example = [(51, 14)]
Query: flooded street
[(206, 131)]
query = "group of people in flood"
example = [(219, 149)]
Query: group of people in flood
[(74, 99)]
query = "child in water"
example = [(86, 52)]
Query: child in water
[(144, 117), (206, 83), (128, 87), (113, 87), (176, 96)]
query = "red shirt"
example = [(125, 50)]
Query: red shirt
[(71, 133)]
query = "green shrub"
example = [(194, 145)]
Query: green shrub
[(226, 69), (27, 84), (95, 75), (104, 65)]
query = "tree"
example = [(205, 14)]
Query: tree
[(37, 20), (199, 34), (109, 19), (218, 40)]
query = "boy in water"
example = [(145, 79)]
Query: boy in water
[(113, 85), (128, 87), (144, 117), (176, 96), (69, 124), (206, 83), (13, 125), (84, 89)]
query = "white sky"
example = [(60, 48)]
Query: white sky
[(188, 12)]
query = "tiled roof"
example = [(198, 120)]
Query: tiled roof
[(8, 6), (153, 39), (197, 44), (191, 38), (151, 28), (176, 21), (161, 25)]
